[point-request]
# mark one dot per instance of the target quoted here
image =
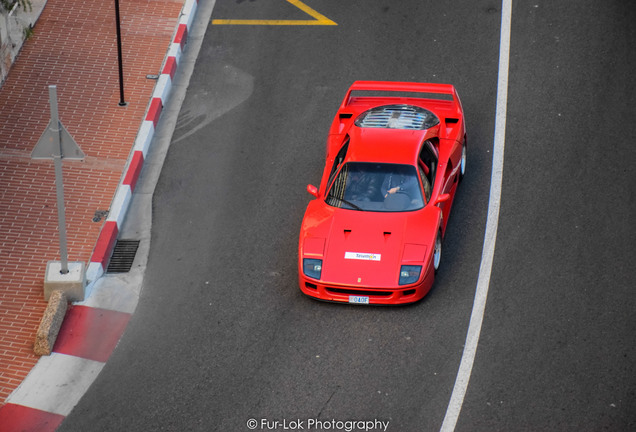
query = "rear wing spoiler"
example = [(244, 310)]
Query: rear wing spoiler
[(404, 87)]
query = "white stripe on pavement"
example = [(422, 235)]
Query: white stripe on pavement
[(56, 383), (485, 269)]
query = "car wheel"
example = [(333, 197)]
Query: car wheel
[(437, 253), (462, 163)]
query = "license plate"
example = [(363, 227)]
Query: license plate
[(359, 299)]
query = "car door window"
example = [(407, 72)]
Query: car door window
[(428, 162), (426, 185), (338, 161)]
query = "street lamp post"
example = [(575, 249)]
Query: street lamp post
[(122, 101)]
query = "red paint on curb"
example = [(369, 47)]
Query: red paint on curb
[(105, 243), (90, 333), (182, 35), (154, 111), (21, 418), (170, 67), (134, 169)]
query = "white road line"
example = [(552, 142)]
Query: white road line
[(485, 269)]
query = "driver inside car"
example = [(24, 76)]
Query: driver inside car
[(400, 181)]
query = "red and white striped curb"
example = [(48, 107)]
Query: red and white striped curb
[(57, 382), (110, 230), (88, 334)]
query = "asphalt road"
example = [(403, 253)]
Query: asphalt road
[(557, 349), (222, 333)]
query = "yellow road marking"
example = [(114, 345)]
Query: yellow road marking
[(319, 19)]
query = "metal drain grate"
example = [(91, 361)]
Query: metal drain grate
[(123, 256)]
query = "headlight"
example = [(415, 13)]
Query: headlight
[(312, 267), (409, 274)]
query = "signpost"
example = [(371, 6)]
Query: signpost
[(57, 144)]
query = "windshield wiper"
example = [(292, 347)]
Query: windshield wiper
[(346, 202)]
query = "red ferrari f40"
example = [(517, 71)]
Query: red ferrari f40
[(396, 152)]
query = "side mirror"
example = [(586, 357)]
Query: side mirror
[(313, 190), (442, 198)]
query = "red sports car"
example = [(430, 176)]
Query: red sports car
[(396, 152)]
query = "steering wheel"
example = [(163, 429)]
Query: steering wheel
[(397, 201)]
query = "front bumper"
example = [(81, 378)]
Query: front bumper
[(376, 296)]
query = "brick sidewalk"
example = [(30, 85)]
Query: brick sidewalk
[(73, 47)]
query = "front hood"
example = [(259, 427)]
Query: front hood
[(368, 248)]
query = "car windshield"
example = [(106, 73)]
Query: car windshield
[(376, 187)]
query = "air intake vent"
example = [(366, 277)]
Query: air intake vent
[(123, 256), (397, 117)]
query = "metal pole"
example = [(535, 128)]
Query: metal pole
[(59, 184), (121, 67), (61, 219)]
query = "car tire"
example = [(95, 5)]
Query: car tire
[(462, 161), (437, 251)]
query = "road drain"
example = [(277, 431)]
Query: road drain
[(123, 256)]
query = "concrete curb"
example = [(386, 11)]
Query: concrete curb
[(121, 201)]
